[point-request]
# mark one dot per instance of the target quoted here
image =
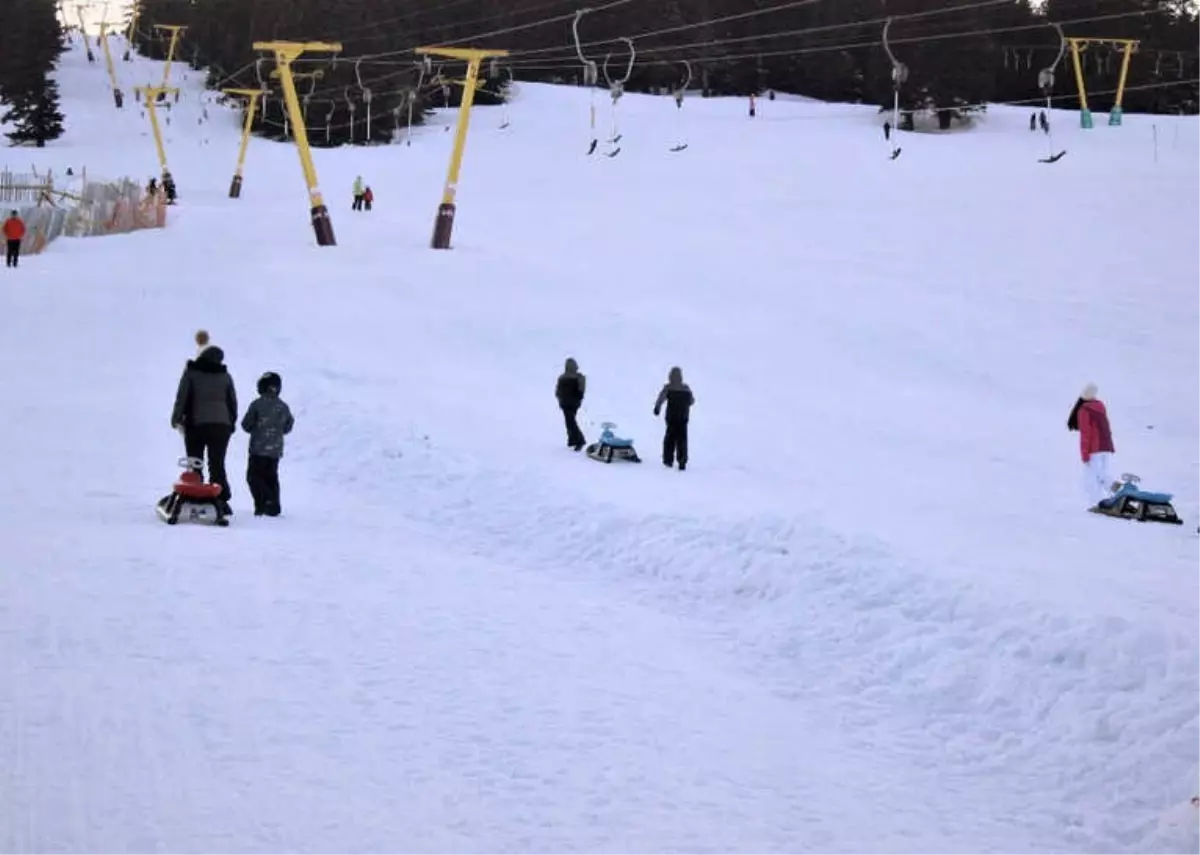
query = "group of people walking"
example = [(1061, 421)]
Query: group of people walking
[(675, 395), (206, 413)]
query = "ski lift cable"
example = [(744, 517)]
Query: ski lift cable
[(832, 116), (616, 88), (590, 75), (516, 60), (913, 40), (550, 63), (899, 78), (679, 93)]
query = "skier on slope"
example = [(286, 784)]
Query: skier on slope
[(206, 410), (1090, 417)]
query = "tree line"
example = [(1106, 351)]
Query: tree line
[(31, 40), (956, 53)]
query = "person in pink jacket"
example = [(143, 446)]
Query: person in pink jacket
[(1090, 418)]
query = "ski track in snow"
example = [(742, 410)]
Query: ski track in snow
[(869, 618)]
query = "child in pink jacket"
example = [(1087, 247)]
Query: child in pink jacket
[(1090, 418)]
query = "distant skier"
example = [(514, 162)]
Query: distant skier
[(679, 399), (570, 390), (14, 233), (206, 410), (368, 198), (887, 130), (268, 420), (359, 192), (168, 185), (1033, 121), (1090, 417), (1043, 122)]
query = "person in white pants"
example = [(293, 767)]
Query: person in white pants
[(1090, 417)]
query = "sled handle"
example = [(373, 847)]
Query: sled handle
[(191, 463)]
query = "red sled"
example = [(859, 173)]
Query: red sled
[(191, 498)]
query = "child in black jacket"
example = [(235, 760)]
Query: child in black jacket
[(267, 421), (679, 399)]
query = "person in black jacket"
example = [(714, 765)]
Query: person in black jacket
[(206, 411), (569, 390), (679, 399)]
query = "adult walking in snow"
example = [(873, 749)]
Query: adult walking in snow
[(679, 399), (206, 411), (569, 390), (14, 233), (1090, 417), (359, 193)]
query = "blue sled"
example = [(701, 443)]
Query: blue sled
[(611, 447), (1133, 503)]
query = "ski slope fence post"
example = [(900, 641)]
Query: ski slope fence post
[(443, 226), (285, 54)]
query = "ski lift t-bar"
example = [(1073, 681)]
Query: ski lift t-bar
[(590, 72)]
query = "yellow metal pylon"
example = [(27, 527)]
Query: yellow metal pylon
[(285, 54), (443, 226), (150, 95), (252, 96), (1078, 46)]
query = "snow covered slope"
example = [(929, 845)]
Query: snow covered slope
[(872, 615)]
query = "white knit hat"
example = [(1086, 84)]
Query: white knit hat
[(1089, 392)]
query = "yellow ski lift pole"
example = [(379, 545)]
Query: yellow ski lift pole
[(134, 14), (251, 96), (285, 54), (118, 96), (150, 94), (444, 224), (83, 32), (174, 30)]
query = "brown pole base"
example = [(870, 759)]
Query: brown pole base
[(323, 226), (235, 187), (443, 226)]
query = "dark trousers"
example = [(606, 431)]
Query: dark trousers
[(213, 440), (262, 474), (13, 255), (675, 444), (574, 434), (358, 203)]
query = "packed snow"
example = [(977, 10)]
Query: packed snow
[(873, 615)]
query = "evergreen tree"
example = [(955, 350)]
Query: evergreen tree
[(34, 114), (829, 49), (31, 40)]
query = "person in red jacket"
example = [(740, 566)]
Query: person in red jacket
[(14, 233), (1090, 418)]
